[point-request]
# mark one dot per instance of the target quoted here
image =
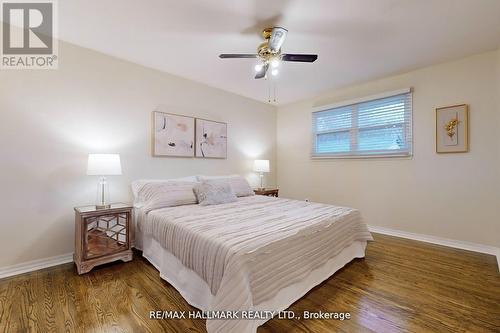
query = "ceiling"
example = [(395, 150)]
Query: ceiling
[(357, 40)]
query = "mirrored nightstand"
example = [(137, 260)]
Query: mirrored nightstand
[(102, 235), (270, 192)]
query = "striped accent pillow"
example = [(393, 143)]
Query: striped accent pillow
[(167, 194), (239, 185), (137, 185)]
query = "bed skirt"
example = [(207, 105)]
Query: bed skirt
[(197, 292)]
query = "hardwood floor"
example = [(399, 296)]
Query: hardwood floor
[(401, 286)]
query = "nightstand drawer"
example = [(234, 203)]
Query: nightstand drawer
[(106, 234)]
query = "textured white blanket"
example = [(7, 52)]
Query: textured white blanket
[(248, 250)]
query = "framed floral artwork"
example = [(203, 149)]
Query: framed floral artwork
[(452, 129)]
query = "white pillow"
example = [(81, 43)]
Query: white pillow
[(238, 184), (137, 185), (155, 195), (214, 193)]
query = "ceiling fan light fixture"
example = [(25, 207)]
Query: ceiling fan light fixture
[(275, 63), (258, 67), (274, 72)]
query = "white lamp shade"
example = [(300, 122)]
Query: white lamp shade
[(261, 166), (104, 165)]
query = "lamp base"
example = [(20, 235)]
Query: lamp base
[(103, 195)]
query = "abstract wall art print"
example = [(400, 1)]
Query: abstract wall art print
[(173, 135), (452, 129), (211, 139)]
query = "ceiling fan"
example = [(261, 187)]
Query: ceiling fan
[(269, 53)]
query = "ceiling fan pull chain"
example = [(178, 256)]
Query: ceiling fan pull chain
[(275, 92), (268, 90)]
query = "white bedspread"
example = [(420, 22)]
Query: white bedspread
[(248, 250)]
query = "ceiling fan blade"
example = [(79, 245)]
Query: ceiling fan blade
[(278, 36), (262, 72), (300, 57), (236, 56)]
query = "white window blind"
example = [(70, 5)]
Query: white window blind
[(375, 127)]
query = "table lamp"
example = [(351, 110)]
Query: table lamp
[(261, 166), (103, 165)]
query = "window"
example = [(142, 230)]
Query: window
[(371, 127)]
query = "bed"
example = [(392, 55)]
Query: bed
[(257, 253)]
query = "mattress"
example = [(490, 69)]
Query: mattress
[(246, 252)]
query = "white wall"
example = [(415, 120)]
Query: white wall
[(51, 120), (498, 126), (454, 196)]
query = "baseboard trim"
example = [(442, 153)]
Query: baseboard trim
[(498, 259), (35, 265), (487, 249)]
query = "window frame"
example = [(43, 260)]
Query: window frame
[(354, 129)]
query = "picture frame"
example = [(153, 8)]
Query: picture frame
[(211, 139), (173, 135), (452, 129)]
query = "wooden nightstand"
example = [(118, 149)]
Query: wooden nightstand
[(102, 235), (270, 192)]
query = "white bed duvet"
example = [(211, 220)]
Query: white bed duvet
[(258, 253)]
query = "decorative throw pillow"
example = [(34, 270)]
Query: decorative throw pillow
[(214, 193), (239, 185), (167, 194)]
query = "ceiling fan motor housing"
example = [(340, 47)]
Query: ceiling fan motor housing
[(264, 51), (266, 33), (266, 54)]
